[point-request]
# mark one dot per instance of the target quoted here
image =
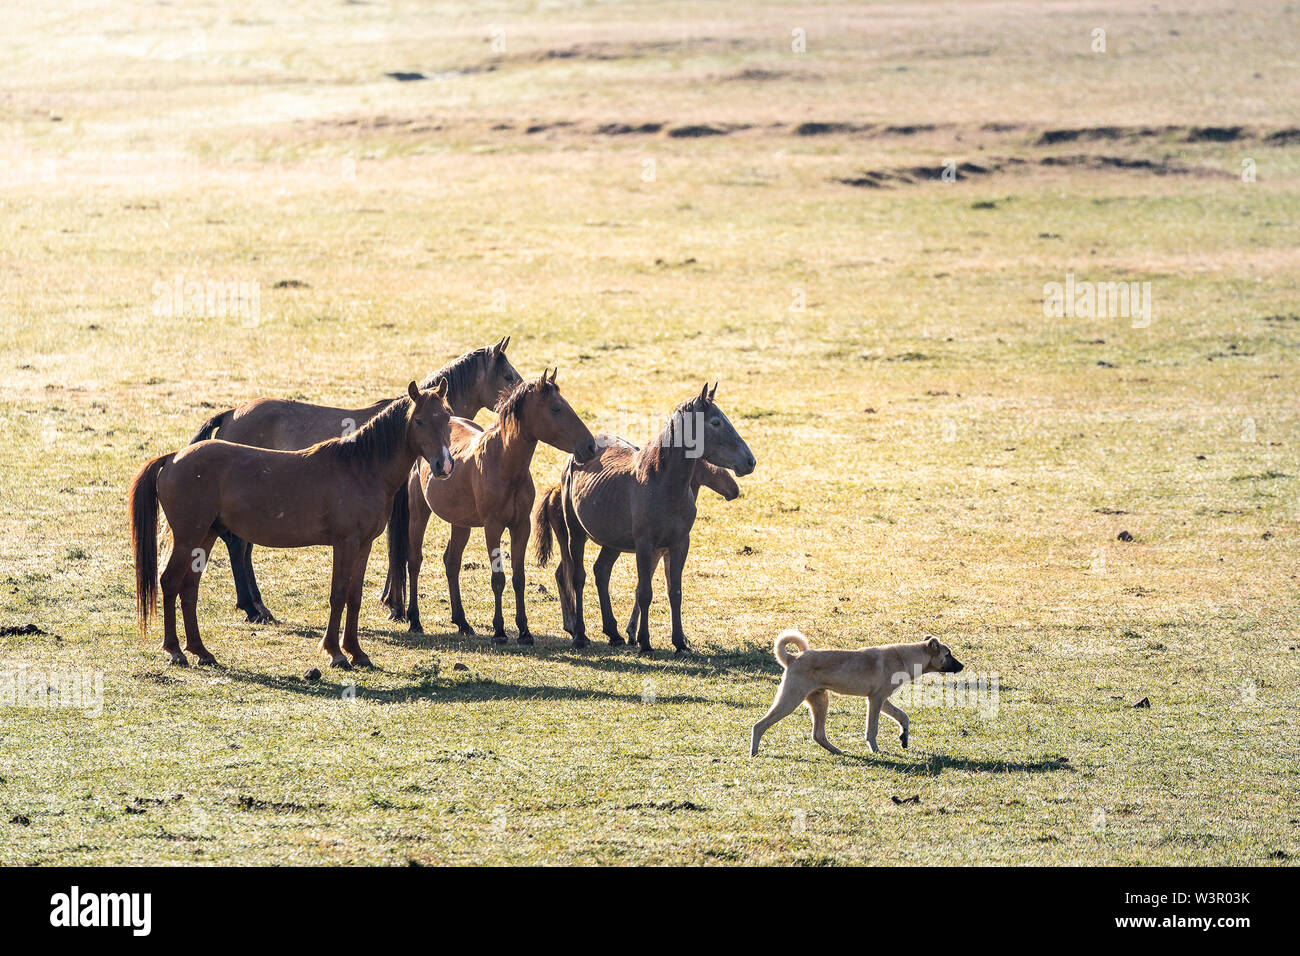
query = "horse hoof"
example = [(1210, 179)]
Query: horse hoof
[(415, 628), (615, 639), (341, 663), (580, 642), (499, 639), (464, 629), (360, 660), (683, 650), (525, 639), (207, 660), (179, 660)]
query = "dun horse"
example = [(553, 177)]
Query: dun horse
[(643, 503), (493, 490), (478, 379), (551, 509), (338, 493)]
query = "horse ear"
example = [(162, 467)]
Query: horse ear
[(414, 391), (501, 346), (704, 393), (554, 372), (714, 391), (441, 388), (542, 380)]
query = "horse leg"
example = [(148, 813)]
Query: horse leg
[(451, 560), (673, 566), (356, 587), (602, 568), (263, 615), (492, 532), (243, 600), (577, 581), (518, 551), (632, 619), (340, 575), (171, 579), (190, 599), (417, 523), (646, 560), (562, 588)]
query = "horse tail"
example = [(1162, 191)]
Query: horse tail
[(399, 545), (547, 514), (143, 498), (782, 652), (211, 425)]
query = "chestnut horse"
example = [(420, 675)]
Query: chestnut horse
[(642, 502), (493, 490), (551, 509), (338, 493), (478, 379)]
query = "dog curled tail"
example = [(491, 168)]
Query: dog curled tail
[(790, 636)]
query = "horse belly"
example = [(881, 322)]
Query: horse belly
[(451, 499), (275, 521)]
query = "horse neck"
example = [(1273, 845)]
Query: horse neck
[(395, 470), (517, 446), (464, 401), (667, 461)]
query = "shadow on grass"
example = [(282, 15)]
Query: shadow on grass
[(935, 764), (600, 655), (441, 690)]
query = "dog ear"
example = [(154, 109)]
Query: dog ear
[(932, 644)]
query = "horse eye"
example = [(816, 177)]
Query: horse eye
[(716, 422), (555, 409), (419, 421)]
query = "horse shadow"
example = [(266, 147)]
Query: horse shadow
[(932, 765)]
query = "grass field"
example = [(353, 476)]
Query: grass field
[(649, 195)]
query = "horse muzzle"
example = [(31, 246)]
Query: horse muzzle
[(584, 451), (443, 466)]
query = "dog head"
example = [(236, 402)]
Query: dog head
[(940, 658)]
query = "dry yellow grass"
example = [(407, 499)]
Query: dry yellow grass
[(934, 454)]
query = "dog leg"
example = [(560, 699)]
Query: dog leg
[(873, 721), (818, 702), (788, 699), (895, 713)]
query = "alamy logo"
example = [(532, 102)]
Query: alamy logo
[(1098, 300), (103, 909)]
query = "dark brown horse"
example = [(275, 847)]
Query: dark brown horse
[(337, 493), (551, 509), (478, 379), (493, 490), (642, 502)]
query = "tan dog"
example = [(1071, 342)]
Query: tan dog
[(871, 672)]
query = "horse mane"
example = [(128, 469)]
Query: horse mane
[(653, 456), (379, 438), (510, 408), (460, 374)]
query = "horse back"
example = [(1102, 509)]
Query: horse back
[(287, 425)]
